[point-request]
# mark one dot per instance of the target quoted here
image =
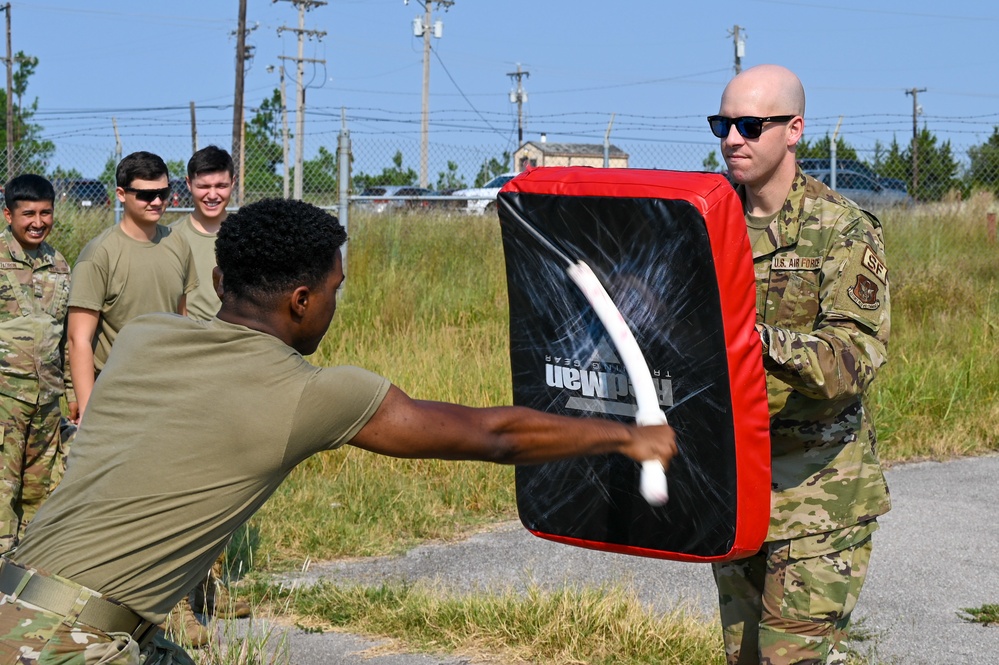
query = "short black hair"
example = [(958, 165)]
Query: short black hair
[(210, 159), (140, 165), (27, 187), (272, 246)]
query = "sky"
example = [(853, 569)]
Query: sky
[(658, 66)]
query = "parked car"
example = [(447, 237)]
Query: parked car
[(180, 194), (824, 164), (83, 193), (894, 183), (862, 189), (381, 205), (483, 199)]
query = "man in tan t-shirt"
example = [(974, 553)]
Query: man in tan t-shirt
[(209, 178), (136, 267), (140, 527)]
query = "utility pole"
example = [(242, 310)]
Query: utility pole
[(303, 6), (518, 97), (194, 131), (286, 176), (422, 28), (916, 110), (10, 98), (237, 105), (739, 42)]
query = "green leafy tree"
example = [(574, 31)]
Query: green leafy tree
[(107, 176), (319, 175), (449, 180), (262, 147), (983, 171), (820, 149), (892, 164), (31, 152), (491, 168), (59, 173), (177, 168), (710, 162), (391, 175), (938, 170)]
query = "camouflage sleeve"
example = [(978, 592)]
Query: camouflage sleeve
[(840, 356)]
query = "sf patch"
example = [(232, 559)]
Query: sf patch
[(864, 293), (875, 264)]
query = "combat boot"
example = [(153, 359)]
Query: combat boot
[(224, 606), (184, 628), (213, 598)]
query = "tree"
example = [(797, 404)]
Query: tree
[(59, 173), (177, 168), (319, 175), (983, 170), (450, 180), (893, 164), (262, 146), (392, 175), (31, 152), (710, 162), (820, 149), (937, 168), (491, 168)]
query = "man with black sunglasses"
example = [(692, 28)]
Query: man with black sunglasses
[(822, 307), (136, 267)]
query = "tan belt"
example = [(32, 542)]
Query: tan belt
[(60, 598)]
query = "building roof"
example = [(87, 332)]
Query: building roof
[(575, 149)]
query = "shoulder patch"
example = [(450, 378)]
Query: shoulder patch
[(796, 262), (865, 293), (875, 264)]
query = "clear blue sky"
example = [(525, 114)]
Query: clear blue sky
[(660, 66)]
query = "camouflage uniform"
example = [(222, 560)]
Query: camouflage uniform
[(31, 635), (823, 313), (34, 291)]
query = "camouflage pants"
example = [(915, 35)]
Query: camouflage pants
[(791, 601), (31, 463), (30, 635)]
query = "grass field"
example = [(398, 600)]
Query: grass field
[(425, 305)]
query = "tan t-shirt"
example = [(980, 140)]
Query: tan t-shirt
[(191, 427), (122, 278), (202, 303)]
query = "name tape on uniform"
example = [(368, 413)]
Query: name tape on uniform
[(796, 263)]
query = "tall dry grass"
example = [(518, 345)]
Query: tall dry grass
[(939, 395)]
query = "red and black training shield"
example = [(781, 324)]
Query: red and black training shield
[(672, 251)]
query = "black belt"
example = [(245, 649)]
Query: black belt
[(60, 598)]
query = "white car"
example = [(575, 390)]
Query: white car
[(482, 199)]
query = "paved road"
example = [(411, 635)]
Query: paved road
[(937, 552)]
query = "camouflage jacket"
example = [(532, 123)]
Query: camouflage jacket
[(34, 292), (822, 297)]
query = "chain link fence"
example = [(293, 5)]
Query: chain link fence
[(82, 168)]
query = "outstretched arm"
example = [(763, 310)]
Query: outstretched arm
[(404, 427)]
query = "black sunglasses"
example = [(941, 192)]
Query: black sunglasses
[(149, 195), (748, 126)]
